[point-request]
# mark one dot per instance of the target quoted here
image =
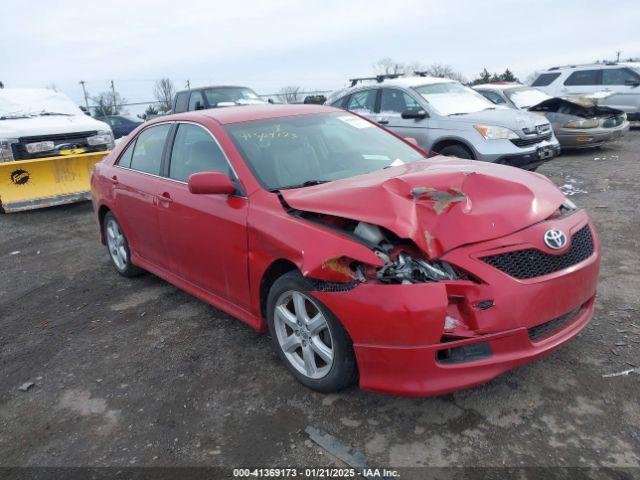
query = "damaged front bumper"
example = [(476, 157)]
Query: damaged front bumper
[(399, 335), (590, 137)]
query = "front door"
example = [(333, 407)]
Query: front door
[(392, 103), (205, 235)]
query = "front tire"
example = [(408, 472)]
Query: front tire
[(118, 247), (308, 338), (456, 151)]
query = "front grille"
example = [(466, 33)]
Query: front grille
[(546, 329), (75, 138), (531, 262), (613, 122), (525, 142)]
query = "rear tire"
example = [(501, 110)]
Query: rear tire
[(456, 151), (118, 247), (309, 339)]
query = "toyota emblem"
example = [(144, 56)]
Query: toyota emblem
[(555, 239)]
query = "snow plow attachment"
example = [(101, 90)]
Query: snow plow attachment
[(44, 182)]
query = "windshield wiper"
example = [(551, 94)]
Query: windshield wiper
[(308, 183), (458, 113), (56, 113)]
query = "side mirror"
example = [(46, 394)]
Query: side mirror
[(416, 113), (632, 83), (210, 183)]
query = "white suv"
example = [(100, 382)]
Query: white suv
[(620, 83)]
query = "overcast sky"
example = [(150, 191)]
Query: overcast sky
[(317, 45)]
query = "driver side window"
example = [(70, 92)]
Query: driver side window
[(194, 150), (396, 101)]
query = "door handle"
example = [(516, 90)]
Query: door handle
[(165, 197), (383, 122), (113, 179)]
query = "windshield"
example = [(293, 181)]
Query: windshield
[(526, 97), (451, 98), (30, 102), (293, 151), (239, 95)]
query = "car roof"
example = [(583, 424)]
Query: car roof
[(246, 113), (213, 86), (586, 66), (499, 85)]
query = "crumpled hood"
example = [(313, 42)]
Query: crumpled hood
[(440, 203)]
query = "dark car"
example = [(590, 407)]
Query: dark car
[(121, 125), (214, 97)]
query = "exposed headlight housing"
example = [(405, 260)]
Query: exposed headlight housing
[(583, 123), (103, 137), (6, 152), (569, 205), (38, 147), (492, 132)]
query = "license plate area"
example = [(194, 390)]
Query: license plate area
[(545, 153)]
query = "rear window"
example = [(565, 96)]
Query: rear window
[(182, 100), (545, 79), (584, 77)]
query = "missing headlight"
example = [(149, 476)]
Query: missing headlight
[(406, 269)]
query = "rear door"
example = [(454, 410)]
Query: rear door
[(364, 102), (393, 102), (205, 235), (137, 181), (623, 83), (582, 81)]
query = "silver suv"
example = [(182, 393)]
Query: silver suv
[(447, 118), (618, 82)]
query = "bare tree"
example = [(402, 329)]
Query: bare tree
[(387, 66), (288, 94), (445, 71), (164, 90), (108, 103)]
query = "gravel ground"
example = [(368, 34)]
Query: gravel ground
[(134, 372)]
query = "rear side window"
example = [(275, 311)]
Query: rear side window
[(545, 79), (147, 154), (182, 100), (363, 102), (492, 96), (584, 77), (194, 150), (396, 101), (341, 102), (125, 158), (618, 76)]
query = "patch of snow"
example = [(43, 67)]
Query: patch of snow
[(35, 101)]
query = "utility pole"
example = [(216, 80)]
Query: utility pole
[(618, 56), (86, 99), (113, 92)]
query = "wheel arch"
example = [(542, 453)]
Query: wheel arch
[(447, 141), (102, 212), (275, 270)]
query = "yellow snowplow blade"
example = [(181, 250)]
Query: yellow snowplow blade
[(44, 182)]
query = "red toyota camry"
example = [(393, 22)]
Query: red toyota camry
[(364, 259)]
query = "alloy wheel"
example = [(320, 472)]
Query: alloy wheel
[(303, 334), (116, 244)]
